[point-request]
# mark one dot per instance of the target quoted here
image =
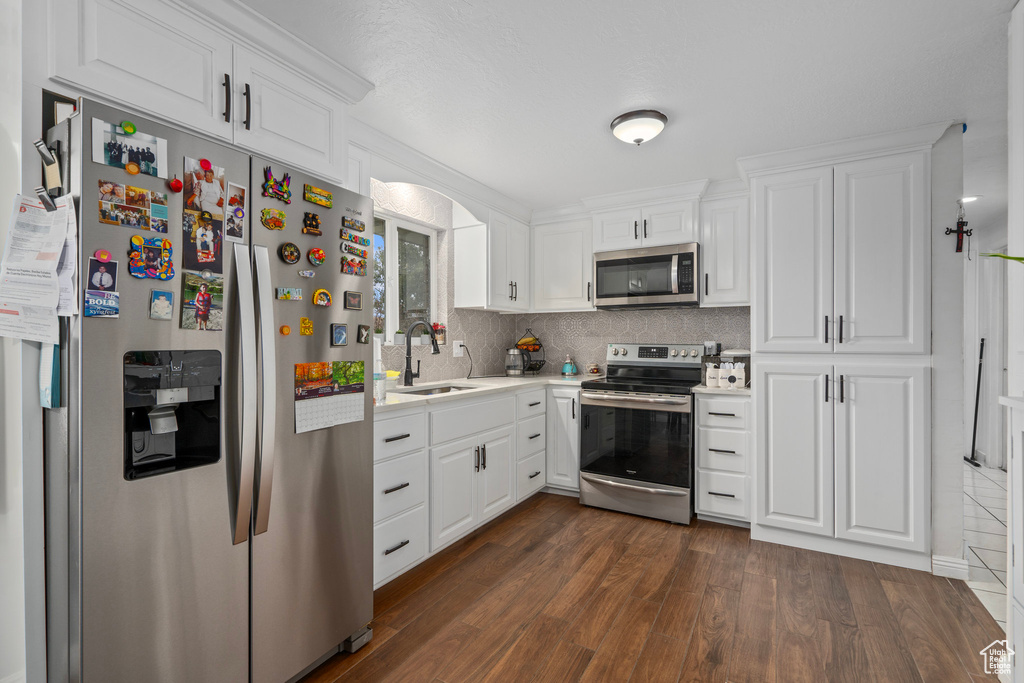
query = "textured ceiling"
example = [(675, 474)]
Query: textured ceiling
[(519, 95)]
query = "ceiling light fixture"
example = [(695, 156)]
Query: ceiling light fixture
[(970, 198), (638, 126)]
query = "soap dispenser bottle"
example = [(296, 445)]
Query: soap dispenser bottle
[(568, 367)]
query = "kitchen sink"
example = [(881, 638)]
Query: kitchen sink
[(432, 391)]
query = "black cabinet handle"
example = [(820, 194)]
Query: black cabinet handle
[(477, 463), (636, 234), (227, 98), (510, 290), (706, 288), (721, 495), (396, 488), (840, 329), (534, 474), (826, 329), (515, 291), (589, 284), (535, 404), (483, 456), (842, 388), (721, 450), (397, 547), (722, 414), (248, 107), (645, 228), (534, 436), (827, 382), (397, 438), (574, 409)]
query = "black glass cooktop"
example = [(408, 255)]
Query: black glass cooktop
[(647, 379)]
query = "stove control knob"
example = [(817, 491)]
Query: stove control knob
[(615, 352), (674, 353), (693, 353), (624, 352)]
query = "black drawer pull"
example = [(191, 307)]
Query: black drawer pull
[(397, 438), (396, 488), (534, 474), (535, 404), (721, 495), (722, 414), (396, 548), (535, 436), (721, 450)]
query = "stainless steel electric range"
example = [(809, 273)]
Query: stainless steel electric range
[(636, 431)]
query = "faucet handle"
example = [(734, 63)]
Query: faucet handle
[(417, 373)]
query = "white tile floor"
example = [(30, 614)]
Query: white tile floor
[(985, 536)]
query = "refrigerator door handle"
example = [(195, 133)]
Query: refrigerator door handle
[(268, 397), (247, 456)]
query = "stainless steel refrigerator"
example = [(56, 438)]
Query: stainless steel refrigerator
[(192, 534)]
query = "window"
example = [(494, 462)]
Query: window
[(404, 255)]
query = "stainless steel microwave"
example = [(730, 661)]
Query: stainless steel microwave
[(657, 277)]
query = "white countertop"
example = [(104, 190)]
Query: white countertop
[(719, 391), (397, 400)]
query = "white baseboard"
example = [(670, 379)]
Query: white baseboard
[(551, 489), (951, 567)]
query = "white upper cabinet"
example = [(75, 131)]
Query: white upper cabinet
[(144, 57), (881, 264), (492, 265), (793, 272), (280, 114), (646, 226), (725, 251), (563, 264)]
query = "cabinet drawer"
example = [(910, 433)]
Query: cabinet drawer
[(398, 435), (531, 403), (719, 412), (725, 495), (399, 484), (531, 475), (470, 417), (726, 450), (530, 435), (399, 543)]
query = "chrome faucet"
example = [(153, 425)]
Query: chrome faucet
[(408, 376)]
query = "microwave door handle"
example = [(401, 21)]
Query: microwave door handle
[(675, 273), (268, 385), (247, 372)]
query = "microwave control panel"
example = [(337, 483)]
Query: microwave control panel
[(686, 273)]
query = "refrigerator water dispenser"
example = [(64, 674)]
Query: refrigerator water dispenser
[(172, 412)]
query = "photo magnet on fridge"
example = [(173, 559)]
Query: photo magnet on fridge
[(151, 257), (202, 301), (354, 301), (234, 223), (363, 334), (134, 152), (102, 275), (202, 238), (339, 334), (161, 304)]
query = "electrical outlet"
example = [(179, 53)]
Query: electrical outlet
[(457, 349)]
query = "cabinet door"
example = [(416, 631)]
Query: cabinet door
[(453, 482), (882, 492), (141, 56), (563, 261), (794, 446), (518, 254), (496, 478), (881, 255), (500, 286), (665, 224), (564, 439), (792, 303), (289, 117), (617, 230), (725, 251)]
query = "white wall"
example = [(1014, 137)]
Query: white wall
[(12, 551), (948, 447)]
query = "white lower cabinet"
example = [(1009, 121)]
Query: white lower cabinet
[(530, 476), (471, 480), (723, 457), (399, 543), (842, 451), (563, 435)]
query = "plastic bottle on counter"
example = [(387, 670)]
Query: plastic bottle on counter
[(379, 374)]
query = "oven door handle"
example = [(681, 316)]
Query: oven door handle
[(675, 273), (680, 405), (630, 487)]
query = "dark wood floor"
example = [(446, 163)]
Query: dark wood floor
[(553, 591)]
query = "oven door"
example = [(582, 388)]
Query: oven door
[(643, 438), (646, 277)]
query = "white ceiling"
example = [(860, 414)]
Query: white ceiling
[(519, 95)]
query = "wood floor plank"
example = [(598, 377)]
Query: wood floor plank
[(661, 571), (752, 660), (580, 588), (762, 558), (894, 574), (730, 559), (524, 658), (694, 571), (333, 668), (678, 615), (707, 658), (706, 537), (758, 606), (889, 658), (956, 621), (798, 659), (660, 661), (615, 658), (982, 617), (435, 654), (862, 583), (565, 665), (594, 621), (842, 652), (831, 599), (933, 656), (797, 612)]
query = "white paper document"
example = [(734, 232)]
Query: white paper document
[(29, 284), (67, 275)]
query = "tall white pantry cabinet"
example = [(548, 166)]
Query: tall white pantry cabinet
[(840, 325)]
